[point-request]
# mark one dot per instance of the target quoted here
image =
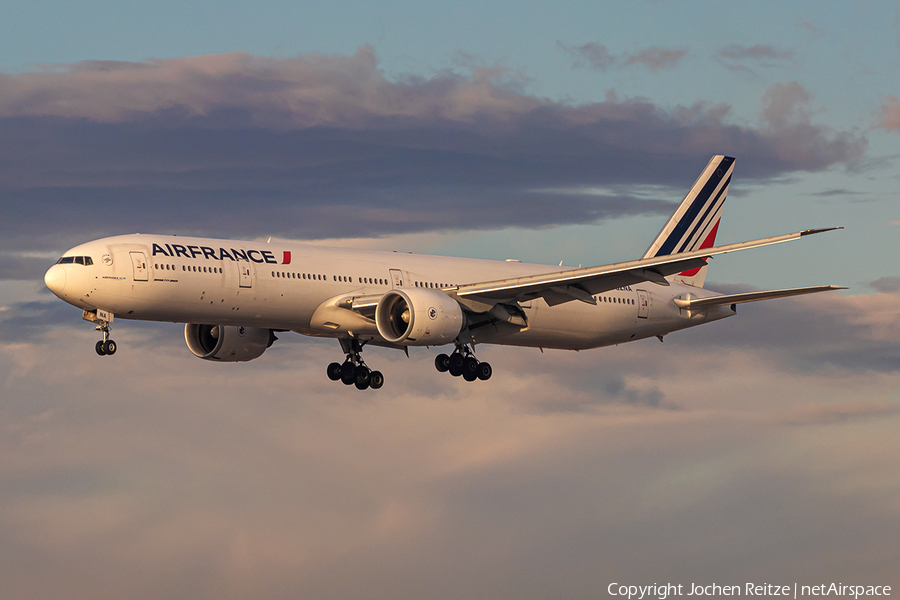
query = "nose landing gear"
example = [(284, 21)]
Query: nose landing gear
[(104, 347), (463, 363), (354, 371)]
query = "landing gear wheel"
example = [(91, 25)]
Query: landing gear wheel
[(348, 373), (484, 371), (442, 363), (470, 368), (376, 380), (109, 347), (334, 371), (457, 361), (353, 371), (99, 348)]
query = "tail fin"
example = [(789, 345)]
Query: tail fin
[(695, 223)]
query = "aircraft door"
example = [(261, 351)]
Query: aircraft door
[(139, 264), (246, 271), (396, 278), (643, 304)]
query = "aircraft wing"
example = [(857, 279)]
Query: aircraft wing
[(700, 303), (583, 284)]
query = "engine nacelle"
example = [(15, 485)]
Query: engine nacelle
[(417, 317), (227, 343)]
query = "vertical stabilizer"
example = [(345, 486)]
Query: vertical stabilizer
[(696, 221)]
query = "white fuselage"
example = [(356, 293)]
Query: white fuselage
[(293, 286)]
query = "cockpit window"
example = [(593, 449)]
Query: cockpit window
[(78, 260)]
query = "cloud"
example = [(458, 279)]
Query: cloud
[(824, 333), (736, 57), (785, 104), (890, 114), (16, 266), (598, 57), (757, 52), (836, 192), (657, 59), (886, 285), (274, 482), (326, 146), (593, 55), (807, 26), (787, 108)]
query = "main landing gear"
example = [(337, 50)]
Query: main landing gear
[(354, 371), (463, 362), (105, 347)]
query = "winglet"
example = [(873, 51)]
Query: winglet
[(814, 231)]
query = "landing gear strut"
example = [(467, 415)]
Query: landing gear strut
[(463, 363), (105, 347), (354, 371)]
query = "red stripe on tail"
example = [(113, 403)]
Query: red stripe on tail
[(707, 243)]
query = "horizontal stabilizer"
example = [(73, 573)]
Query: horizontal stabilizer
[(700, 303)]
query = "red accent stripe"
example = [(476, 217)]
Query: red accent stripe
[(287, 258), (707, 243)]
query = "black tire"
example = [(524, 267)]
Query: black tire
[(376, 380), (470, 368), (442, 363), (99, 348), (348, 373), (334, 371), (362, 384), (363, 375), (457, 361), (109, 347), (484, 371)]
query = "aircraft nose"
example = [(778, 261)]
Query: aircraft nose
[(55, 279)]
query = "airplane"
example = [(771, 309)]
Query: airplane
[(234, 296)]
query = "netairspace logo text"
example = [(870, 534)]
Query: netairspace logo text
[(663, 591)]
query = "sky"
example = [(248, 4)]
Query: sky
[(762, 448)]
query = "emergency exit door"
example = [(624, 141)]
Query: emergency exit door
[(643, 304), (139, 265), (396, 278), (246, 271)]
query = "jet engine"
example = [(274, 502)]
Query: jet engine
[(227, 343), (417, 317)]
